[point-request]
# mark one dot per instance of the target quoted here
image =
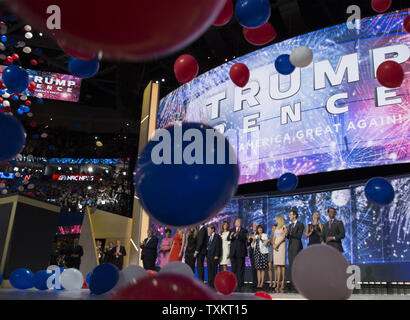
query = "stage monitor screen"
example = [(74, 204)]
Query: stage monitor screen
[(331, 115)]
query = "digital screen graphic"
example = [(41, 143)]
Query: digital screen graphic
[(373, 234), (332, 115)]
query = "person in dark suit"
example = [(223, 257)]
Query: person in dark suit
[(213, 254), (149, 251), (200, 250), (294, 235), (251, 239), (118, 253), (74, 254), (333, 231), (239, 240), (108, 257)]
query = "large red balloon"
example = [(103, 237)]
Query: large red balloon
[(259, 36), (225, 282), (225, 15), (185, 68), (129, 29), (73, 52), (406, 24), (239, 74), (381, 5), (390, 74), (167, 286)]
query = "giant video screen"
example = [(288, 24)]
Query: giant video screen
[(332, 115)]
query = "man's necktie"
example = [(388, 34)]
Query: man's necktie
[(330, 224)]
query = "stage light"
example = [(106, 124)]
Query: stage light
[(80, 206), (124, 173), (106, 171), (71, 169), (90, 169), (59, 168), (89, 187), (103, 202), (163, 80)]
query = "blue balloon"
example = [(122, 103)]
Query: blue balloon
[(12, 137), (1, 278), (26, 108), (22, 278), (197, 191), (3, 38), (252, 13), (15, 78), (87, 278), (2, 91), (1, 105), (35, 136), (283, 65), (287, 182), (83, 68), (15, 97), (40, 101), (103, 278), (40, 280), (379, 191), (20, 111), (51, 147)]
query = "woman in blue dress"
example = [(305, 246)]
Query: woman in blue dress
[(314, 230)]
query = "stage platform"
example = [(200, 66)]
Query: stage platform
[(84, 294)]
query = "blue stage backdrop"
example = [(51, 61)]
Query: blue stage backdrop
[(373, 234)]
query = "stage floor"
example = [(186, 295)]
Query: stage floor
[(84, 294)]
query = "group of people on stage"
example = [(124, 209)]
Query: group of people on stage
[(111, 254), (230, 246)]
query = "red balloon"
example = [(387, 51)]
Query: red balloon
[(148, 28), (1, 99), (185, 68), (166, 287), (33, 124), (239, 74), (27, 103), (260, 36), (225, 15), (406, 24), (151, 272), (381, 5), (15, 56), (225, 282), (10, 59), (32, 84), (75, 52), (263, 294), (390, 74), (33, 62)]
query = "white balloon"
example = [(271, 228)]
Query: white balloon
[(179, 268), (44, 135), (20, 44), (39, 95), (27, 28), (20, 188), (301, 57), (3, 56), (6, 95), (2, 46), (27, 50), (52, 267), (72, 279), (319, 272), (23, 97), (30, 186), (4, 191), (130, 275), (29, 114), (28, 35), (17, 174), (6, 103)]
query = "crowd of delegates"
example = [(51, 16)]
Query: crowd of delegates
[(112, 195), (230, 246)]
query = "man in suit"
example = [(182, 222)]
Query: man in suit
[(118, 253), (200, 250), (213, 254), (149, 251), (294, 235), (239, 240), (74, 254), (334, 231), (251, 255)]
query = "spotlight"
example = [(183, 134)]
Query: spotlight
[(90, 169), (89, 187), (59, 168), (71, 169), (163, 80)]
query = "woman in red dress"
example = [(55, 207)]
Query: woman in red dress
[(177, 248)]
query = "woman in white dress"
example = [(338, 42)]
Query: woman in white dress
[(225, 246)]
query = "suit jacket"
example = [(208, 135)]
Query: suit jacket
[(262, 245), (214, 248), (202, 241), (120, 258), (337, 230), (295, 237), (77, 250), (149, 250), (238, 244), (250, 244)]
